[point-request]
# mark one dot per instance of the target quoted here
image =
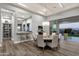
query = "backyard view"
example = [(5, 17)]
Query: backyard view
[(71, 29)]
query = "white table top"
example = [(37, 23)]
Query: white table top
[(47, 38)]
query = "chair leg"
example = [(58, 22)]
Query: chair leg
[(43, 50), (58, 46)]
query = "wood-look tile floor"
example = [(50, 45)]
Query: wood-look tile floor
[(29, 49)]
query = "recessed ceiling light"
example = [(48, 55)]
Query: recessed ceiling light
[(44, 9), (61, 5), (22, 5), (41, 12)]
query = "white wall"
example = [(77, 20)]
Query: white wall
[(36, 21), (0, 30)]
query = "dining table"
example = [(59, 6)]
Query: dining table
[(47, 40)]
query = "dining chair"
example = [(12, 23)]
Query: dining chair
[(54, 43), (40, 42)]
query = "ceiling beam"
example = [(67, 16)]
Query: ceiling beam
[(23, 8), (50, 9), (64, 10)]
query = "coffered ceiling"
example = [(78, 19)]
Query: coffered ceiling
[(47, 9)]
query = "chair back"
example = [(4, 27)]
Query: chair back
[(55, 40), (45, 35), (40, 41)]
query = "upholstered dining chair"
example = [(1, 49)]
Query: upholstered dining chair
[(40, 42), (54, 43)]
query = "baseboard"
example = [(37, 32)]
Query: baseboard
[(16, 42), (21, 41)]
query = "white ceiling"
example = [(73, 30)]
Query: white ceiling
[(47, 9)]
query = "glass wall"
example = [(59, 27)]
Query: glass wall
[(71, 29)]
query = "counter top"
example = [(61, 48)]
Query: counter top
[(24, 32)]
